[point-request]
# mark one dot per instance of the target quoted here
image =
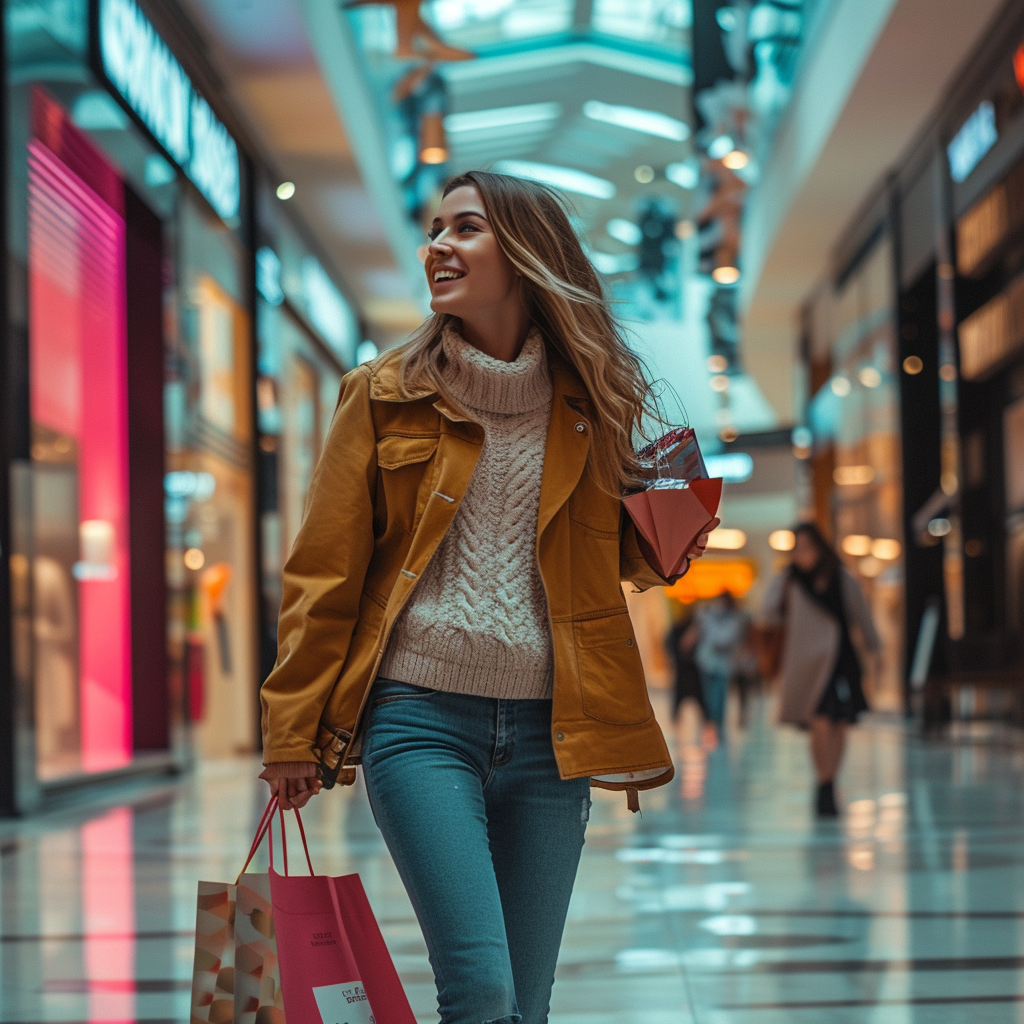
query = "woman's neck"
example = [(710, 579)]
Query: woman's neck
[(501, 335)]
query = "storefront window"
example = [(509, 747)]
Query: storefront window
[(210, 491), (858, 409), (80, 570)]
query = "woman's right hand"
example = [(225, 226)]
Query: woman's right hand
[(293, 793)]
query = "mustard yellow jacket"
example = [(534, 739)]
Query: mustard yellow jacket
[(386, 489)]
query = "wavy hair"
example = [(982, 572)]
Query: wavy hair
[(566, 303)]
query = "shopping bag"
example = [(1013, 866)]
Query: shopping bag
[(677, 500), (335, 966), (235, 977)]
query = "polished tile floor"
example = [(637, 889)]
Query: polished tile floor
[(724, 902)]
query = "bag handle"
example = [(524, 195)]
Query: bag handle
[(265, 827)]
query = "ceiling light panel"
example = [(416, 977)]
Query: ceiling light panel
[(650, 122), (567, 178), (501, 117), (662, 22)]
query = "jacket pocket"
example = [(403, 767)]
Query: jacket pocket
[(396, 451), (406, 471), (614, 689)]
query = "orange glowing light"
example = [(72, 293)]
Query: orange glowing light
[(713, 576), (1018, 66)]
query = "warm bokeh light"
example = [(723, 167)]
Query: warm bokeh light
[(947, 371), (870, 566), (853, 476), (857, 545), (194, 559), (736, 160), (434, 155), (841, 386), (913, 365), (885, 549), (869, 376), (717, 364), (710, 577), (726, 539), (725, 275), (719, 382), (644, 174), (782, 540), (286, 190)]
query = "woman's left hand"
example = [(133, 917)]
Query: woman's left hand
[(702, 541)]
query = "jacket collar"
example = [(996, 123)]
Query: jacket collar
[(384, 385)]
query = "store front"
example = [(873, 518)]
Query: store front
[(307, 339), (856, 463), (143, 558)]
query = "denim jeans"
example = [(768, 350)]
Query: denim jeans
[(486, 837), (716, 693)]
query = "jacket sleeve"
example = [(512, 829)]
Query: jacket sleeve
[(857, 610), (323, 579), (633, 567)]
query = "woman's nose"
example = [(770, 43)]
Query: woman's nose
[(439, 246)]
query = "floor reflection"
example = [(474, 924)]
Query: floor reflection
[(725, 901)]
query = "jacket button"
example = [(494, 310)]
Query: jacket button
[(629, 642), (560, 737), (581, 428)]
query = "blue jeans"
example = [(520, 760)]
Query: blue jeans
[(716, 692), (486, 837)]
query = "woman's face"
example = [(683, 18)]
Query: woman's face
[(466, 269), (805, 553)]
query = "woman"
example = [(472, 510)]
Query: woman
[(453, 617), (720, 633), (817, 599)]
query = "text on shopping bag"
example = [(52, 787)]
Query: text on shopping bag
[(343, 1004)]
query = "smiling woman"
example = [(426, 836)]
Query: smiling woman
[(465, 530)]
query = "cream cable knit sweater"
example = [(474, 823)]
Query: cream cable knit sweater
[(477, 621)]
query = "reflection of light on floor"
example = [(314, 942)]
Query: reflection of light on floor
[(658, 855), (961, 851), (861, 857), (693, 772), (713, 896), (636, 961), (883, 820), (108, 913), (730, 924)]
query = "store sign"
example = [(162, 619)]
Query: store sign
[(268, 275), (977, 136), (327, 310), (141, 67), (992, 333)]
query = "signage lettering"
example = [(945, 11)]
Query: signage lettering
[(141, 67), (975, 138)]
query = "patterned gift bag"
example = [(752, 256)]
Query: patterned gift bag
[(257, 974), (235, 975), (213, 973)]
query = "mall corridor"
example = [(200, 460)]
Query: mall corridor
[(724, 902)]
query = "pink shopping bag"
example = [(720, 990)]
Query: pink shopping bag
[(335, 967)]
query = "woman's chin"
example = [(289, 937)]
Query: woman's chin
[(442, 304)]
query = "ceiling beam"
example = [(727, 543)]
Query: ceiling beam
[(340, 61)]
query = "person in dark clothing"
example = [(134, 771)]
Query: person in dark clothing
[(680, 642), (817, 599)]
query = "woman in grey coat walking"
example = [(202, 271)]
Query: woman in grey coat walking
[(818, 601)]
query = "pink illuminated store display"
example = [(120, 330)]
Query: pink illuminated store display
[(79, 410)]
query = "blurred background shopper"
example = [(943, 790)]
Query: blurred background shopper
[(721, 629), (486, 687), (817, 601)]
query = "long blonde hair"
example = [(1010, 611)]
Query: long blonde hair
[(567, 304)]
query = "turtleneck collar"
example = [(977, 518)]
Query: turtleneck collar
[(481, 382)]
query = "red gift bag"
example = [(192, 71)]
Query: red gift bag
[(335, 966)]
